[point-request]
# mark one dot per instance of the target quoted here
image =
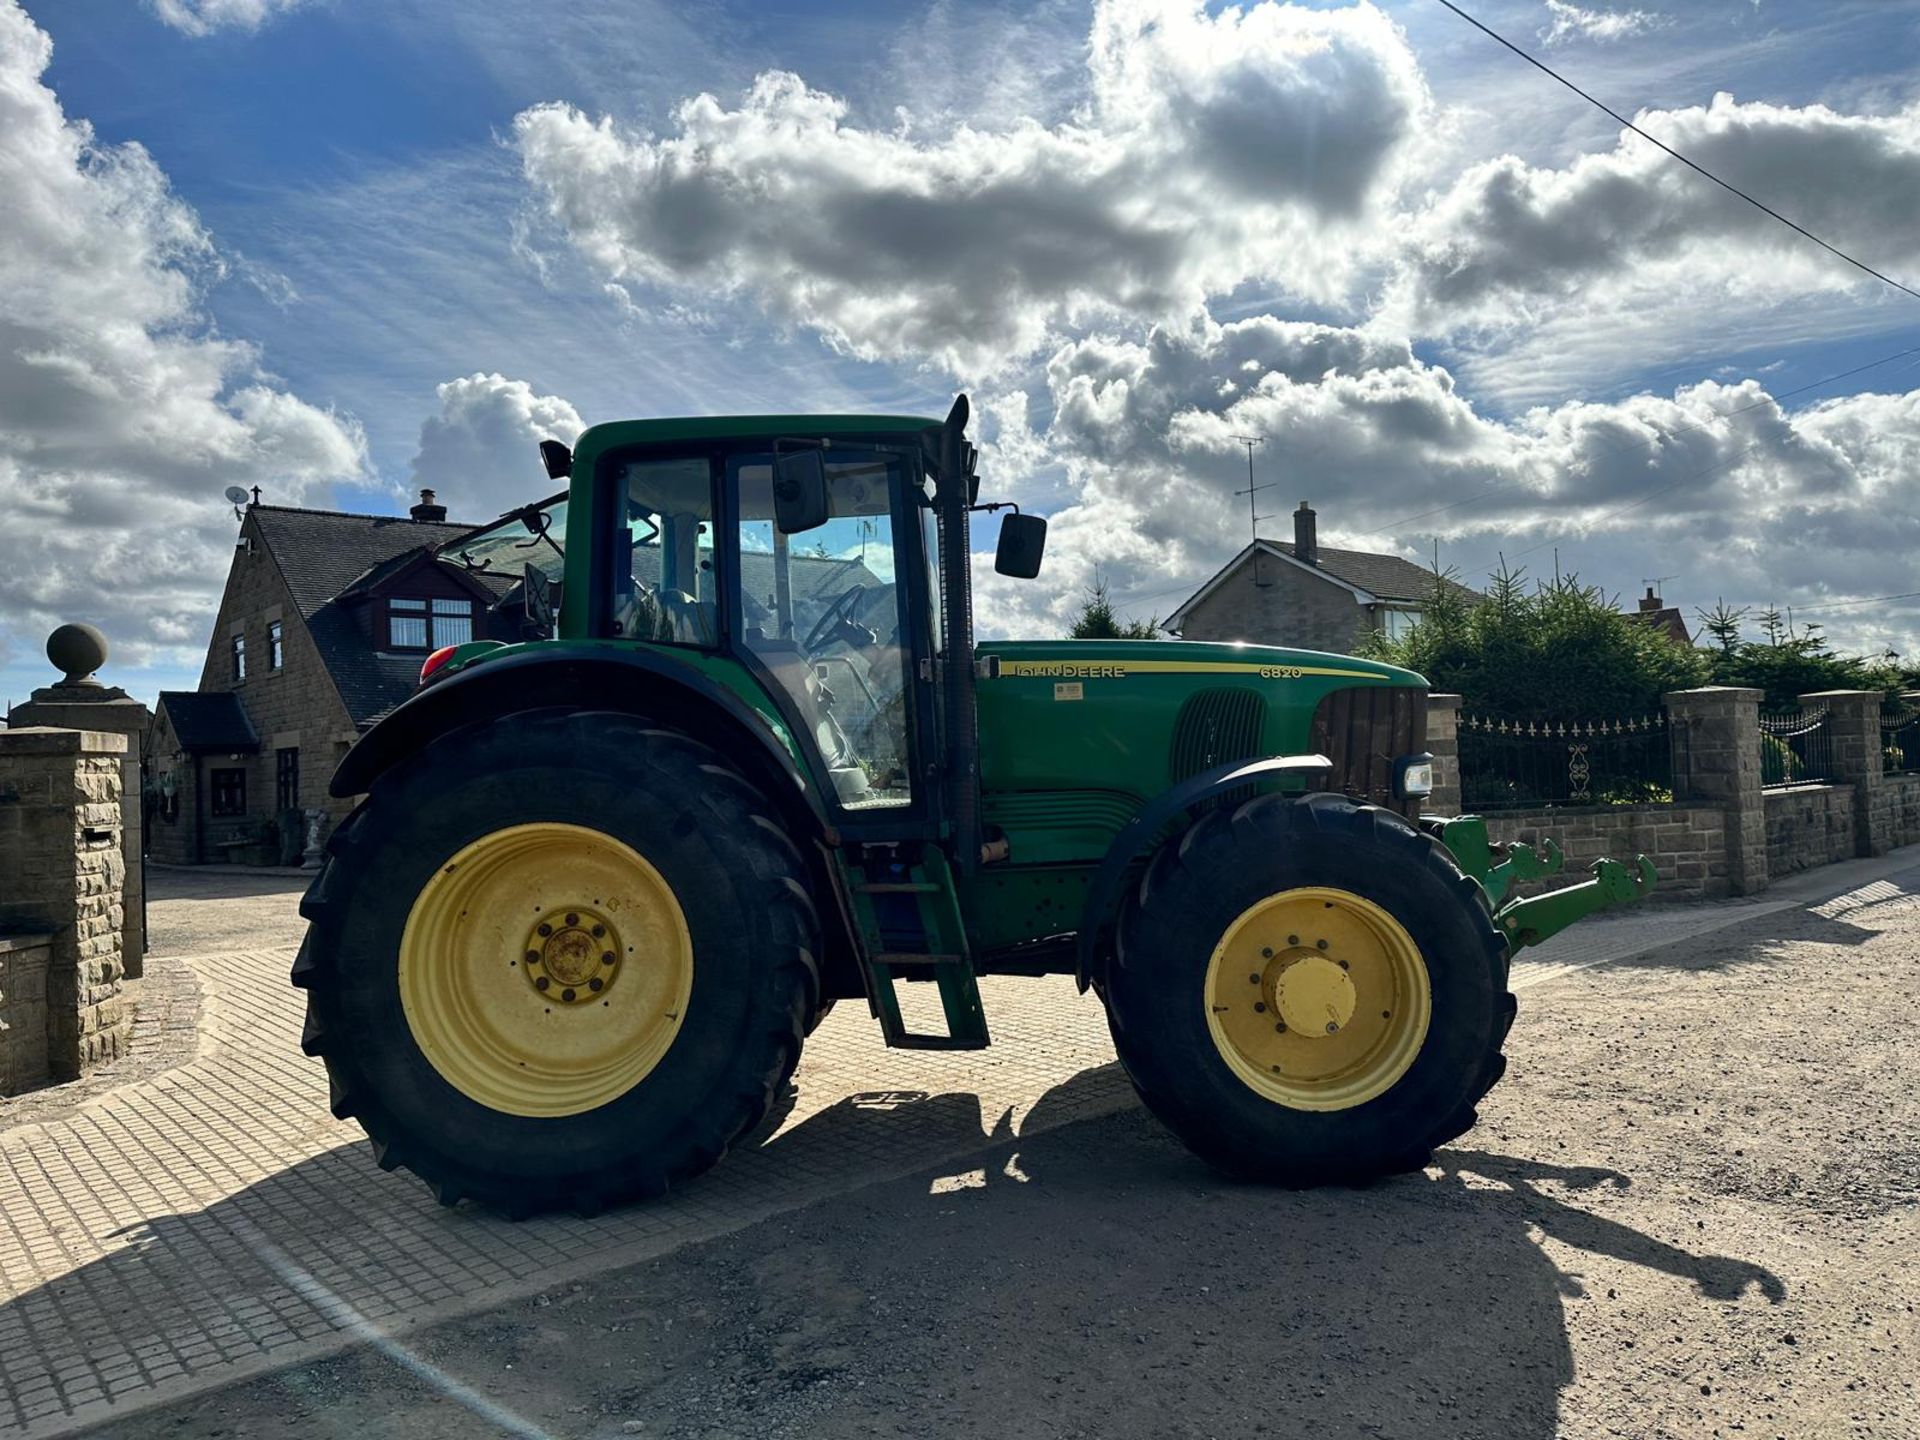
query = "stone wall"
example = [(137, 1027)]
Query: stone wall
[(23, 1011), (1270, 600), (62, 875), (1725, 835), (1687, 843), (1896, 809), (1809, 825)]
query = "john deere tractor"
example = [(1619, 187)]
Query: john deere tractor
[(747, 760)]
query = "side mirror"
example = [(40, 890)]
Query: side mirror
[(557, 459), (1023, 540), (799, 490)]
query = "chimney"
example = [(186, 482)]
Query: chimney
[(1650, 602), (1306, 548), (426, 509)]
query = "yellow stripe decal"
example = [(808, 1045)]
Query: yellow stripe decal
[(1120, 670)]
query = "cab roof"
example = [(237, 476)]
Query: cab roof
[(742, 427)]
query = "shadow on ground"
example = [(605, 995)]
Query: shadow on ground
[(1085, 1280)]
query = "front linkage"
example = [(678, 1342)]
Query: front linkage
[(1498, 867)]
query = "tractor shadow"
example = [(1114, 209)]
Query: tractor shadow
[(1075, 1273)]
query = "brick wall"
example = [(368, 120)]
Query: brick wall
[(1272, 601), (1809, 825), (23, 1011), (62, 875), (1687, 843)]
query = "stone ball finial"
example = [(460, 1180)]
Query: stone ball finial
[(77, 651)]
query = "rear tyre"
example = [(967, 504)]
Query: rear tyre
[(559, 960), (1309, 991)]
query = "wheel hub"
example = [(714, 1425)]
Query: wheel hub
[(1315, 996), (573, 956)]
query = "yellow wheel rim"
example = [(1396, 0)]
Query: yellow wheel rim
[(1318, 999), (545, 969)]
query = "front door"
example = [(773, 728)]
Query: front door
[(823, 613)]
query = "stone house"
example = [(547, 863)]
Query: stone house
[(1307, 595), (1656, 614), (322, 628)]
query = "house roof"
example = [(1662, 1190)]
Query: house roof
[(1371, 577), (327, 557), (1666, 618), (204, 723)]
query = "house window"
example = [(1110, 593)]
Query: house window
[(427, 625), (286, 779), (276, 646), (229, 793), (239, 645), (1399, 622)]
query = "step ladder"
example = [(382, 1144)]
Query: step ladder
[(911, 928)]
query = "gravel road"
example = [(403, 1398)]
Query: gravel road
[(1692, 1209)]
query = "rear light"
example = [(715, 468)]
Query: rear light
[(435, 661)]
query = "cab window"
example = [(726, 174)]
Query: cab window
[(663, 578)]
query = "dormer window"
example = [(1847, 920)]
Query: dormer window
[(428, 624)]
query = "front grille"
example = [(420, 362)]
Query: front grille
[(1215, 726), (1363, 730)]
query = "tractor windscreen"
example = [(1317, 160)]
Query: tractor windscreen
[(821, 611)]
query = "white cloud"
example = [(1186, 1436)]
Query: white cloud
[(1252, 143), (479, 454), (203, 17), (122, 413), (1571, 22), (1715, 483), (1510, 242)]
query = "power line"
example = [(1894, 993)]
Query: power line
[(1698, 169)]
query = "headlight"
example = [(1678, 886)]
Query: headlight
[(1413, 776)]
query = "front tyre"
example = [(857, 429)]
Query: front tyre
[(1309, 991), (559, 960)]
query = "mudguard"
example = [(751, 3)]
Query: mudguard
[(1103, 894), (635, 681)]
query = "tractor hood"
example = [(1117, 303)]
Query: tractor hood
[(1131, 717)]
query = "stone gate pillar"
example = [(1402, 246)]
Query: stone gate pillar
[(80, 702), (1715, 737), (1443, 743), (1853, 729)]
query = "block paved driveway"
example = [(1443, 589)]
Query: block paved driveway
[(182, 1229), (214, 1220)]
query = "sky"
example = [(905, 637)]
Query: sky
[(342, 250)]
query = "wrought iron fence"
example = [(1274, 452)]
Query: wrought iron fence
[(1796, 748), (1530, 764), (1900, 739)]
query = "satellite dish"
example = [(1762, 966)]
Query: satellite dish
[(235, 495)]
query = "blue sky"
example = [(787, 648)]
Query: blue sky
[(394, 243)]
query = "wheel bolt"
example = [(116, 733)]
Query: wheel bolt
[(1253, 979), (1331, 1027), (540, 982), (568, 995), (573, 919), (1281, 1028), (598, 931), (1266, 952), (1321, 943), (1344, 965), (533, 957), (606, 957), (545, 929), (1293, 939), (1260, 1007), (596, 983)]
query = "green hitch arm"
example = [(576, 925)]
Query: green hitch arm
[(1466, 836), (1528, 922)]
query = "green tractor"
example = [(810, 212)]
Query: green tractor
[(748, 761)]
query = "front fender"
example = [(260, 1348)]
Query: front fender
[(634, 681), (1103, 894)]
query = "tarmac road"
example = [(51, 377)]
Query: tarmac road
[(1692, 1209)]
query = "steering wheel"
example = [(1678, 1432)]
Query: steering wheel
[(834, 622)]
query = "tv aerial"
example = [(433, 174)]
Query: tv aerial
[(237, 498)]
